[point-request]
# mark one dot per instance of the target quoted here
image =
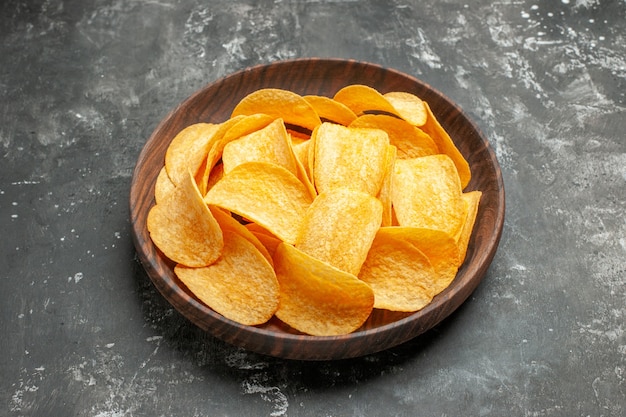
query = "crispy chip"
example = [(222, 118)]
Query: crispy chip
[(265, 193), (163, 186), (400, 275), (384, 195), (339, 227), (409, 107), (246, 125), (241, 285), (229, 131), (331, 110), (267, 239), (229, 224), (349, 157), (427, 193), (292, 107), (411, 141), (269, 144), (310, 158), (214, 154), (447, 146), (188, 150), (439, 247), (362, 99), (215, 175), (300, 148), (318, 299), (471, 200), (183, 228)]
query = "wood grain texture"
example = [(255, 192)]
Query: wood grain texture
[(384, 329)]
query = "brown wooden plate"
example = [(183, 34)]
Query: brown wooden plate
[(384, 329)]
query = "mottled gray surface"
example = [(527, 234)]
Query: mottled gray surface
[(84, 333)]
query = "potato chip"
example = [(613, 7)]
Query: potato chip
[(163, 186), (471, 200), (362, 99), (269, 144), (410, 141), (446, 145), (303, 176), (318, 299), (246, 125), (384, 195), (267, 239), (243, 126), (338, 228), (183, 228), (291, 107), (229, 224), (439, 247), (349, 157), (215, 175), (330, 110), (265, 193), (214, 153), (409, 107), (300, 148), (400, 275), (188, 150), (310, 159), (241, 285), (427, 193)]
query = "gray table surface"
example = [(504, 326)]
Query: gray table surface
[(83, 331)]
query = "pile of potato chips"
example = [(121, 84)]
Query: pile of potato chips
[(315, 210)]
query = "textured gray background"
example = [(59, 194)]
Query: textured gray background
[(84, 333)]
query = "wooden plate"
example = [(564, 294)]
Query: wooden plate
[(383, 329)]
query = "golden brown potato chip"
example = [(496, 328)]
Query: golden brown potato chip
[(338, 228), (214, 153), (246, 125), (183, 228), (409, 107), (300, 148), (411, 141), (362, 99), (384, 195), (270, 144), (318, 299), (439, 247), (471, 200), (188, 150), (427, 193), (215, 175), (400, 275), (241, 285), (163, 186), (229, 224), (267, 239), (292, 107), (310, 165), (446, 145), (330, 110), (349, 157), (266, 194)]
